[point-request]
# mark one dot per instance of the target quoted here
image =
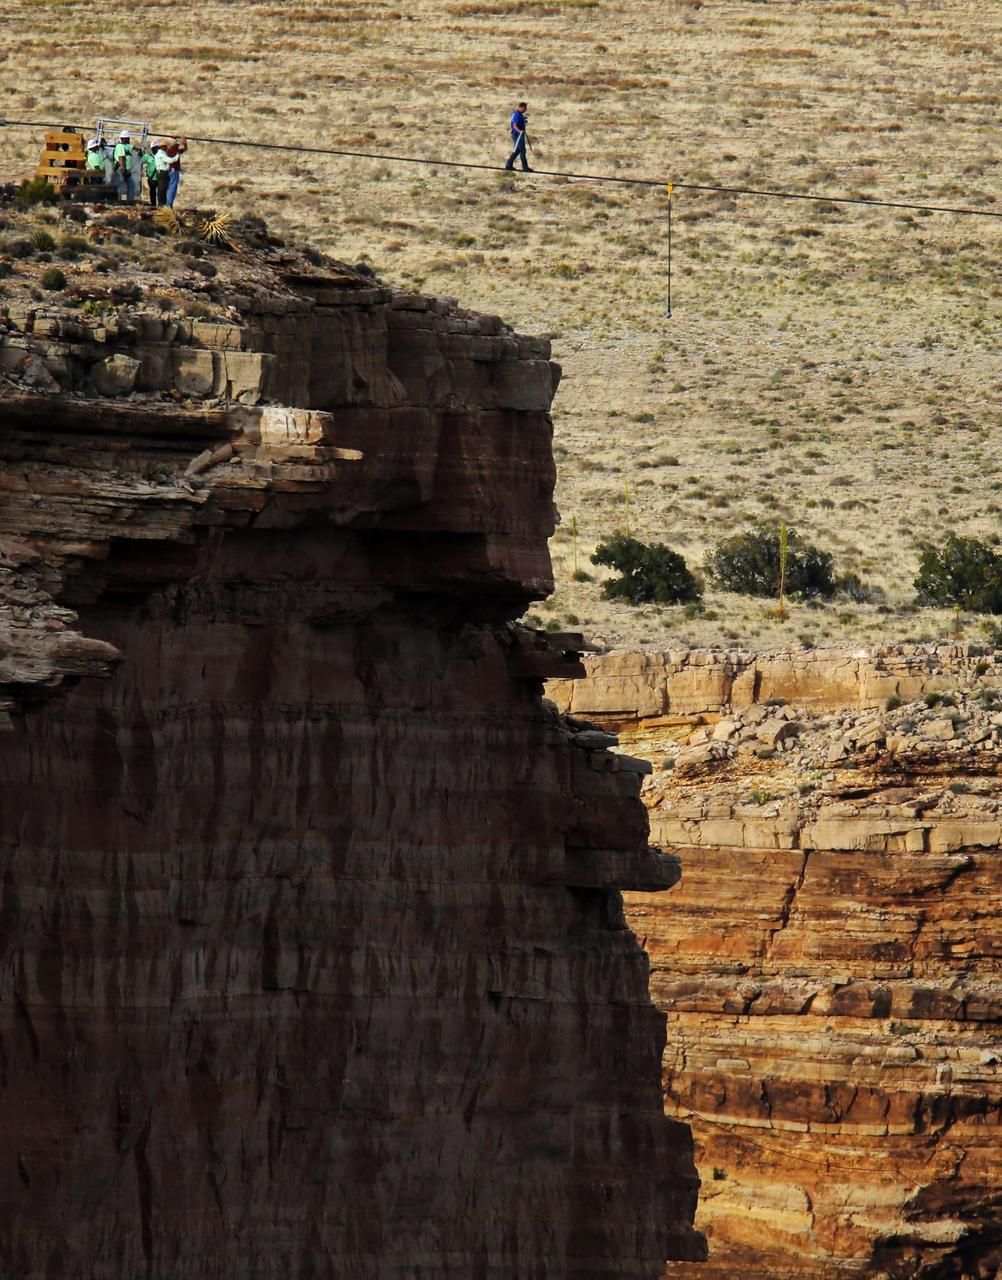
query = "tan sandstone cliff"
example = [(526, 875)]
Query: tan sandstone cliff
[(831, 962), (312, 952)]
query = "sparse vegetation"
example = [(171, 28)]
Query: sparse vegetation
[(800, 373)]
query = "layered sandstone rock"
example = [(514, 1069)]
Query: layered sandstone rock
[(656, 689), (314, 960), (832, 960)]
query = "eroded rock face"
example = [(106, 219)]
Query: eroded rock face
[(628, 688), (831, 962), (314, 960)]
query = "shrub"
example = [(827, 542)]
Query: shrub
[(43, 240), (852, 586), (965, 572), (53, 278), (18, 248), (649, 573), (749, 564), (36, 191), (74, 246)]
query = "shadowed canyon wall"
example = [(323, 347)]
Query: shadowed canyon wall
[(831, 962), (313, 959)]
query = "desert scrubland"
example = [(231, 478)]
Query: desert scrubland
[(831, 365)]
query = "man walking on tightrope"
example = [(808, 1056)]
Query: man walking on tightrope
[(519, 136)]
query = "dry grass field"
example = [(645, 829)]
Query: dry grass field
[(837, 366)]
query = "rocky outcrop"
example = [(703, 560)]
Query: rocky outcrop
[(831, 961), (627, 688), (313, 954)]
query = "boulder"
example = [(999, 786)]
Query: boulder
[(775, 730), (115, 375), (37, 376), (724, 730)]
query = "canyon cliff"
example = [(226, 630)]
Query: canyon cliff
[(831, 962), (314, 960)]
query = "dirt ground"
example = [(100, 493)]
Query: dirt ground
[(832, 365)]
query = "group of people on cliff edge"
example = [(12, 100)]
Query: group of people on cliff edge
[(126, 165)]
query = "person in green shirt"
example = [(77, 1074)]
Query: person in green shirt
[(123, 167), (150, 169), (95, 155)]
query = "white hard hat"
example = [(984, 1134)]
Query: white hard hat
[(125, 134), (154, 142), (92, 143)]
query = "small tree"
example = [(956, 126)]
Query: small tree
[(649, 573), (964, 572), (762, 563)]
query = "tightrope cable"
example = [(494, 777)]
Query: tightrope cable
[(393, 158)]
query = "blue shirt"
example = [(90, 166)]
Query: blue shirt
[(517, 123)]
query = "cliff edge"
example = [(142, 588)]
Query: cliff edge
[(314, 960)]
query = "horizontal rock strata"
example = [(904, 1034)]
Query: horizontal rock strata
[(314, 960), (631, 687), (831, 962)]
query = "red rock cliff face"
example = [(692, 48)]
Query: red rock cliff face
[(831, 963), (313, 954)]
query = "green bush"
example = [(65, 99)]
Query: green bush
[(43, 240), (965, 572), (53, 278), (749, 564), (649, 573), (36, 191)]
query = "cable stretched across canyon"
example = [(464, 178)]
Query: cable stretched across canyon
[(392, 158)]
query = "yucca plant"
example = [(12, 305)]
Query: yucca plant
[(215, 230), (170, 220), (781, 611)]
